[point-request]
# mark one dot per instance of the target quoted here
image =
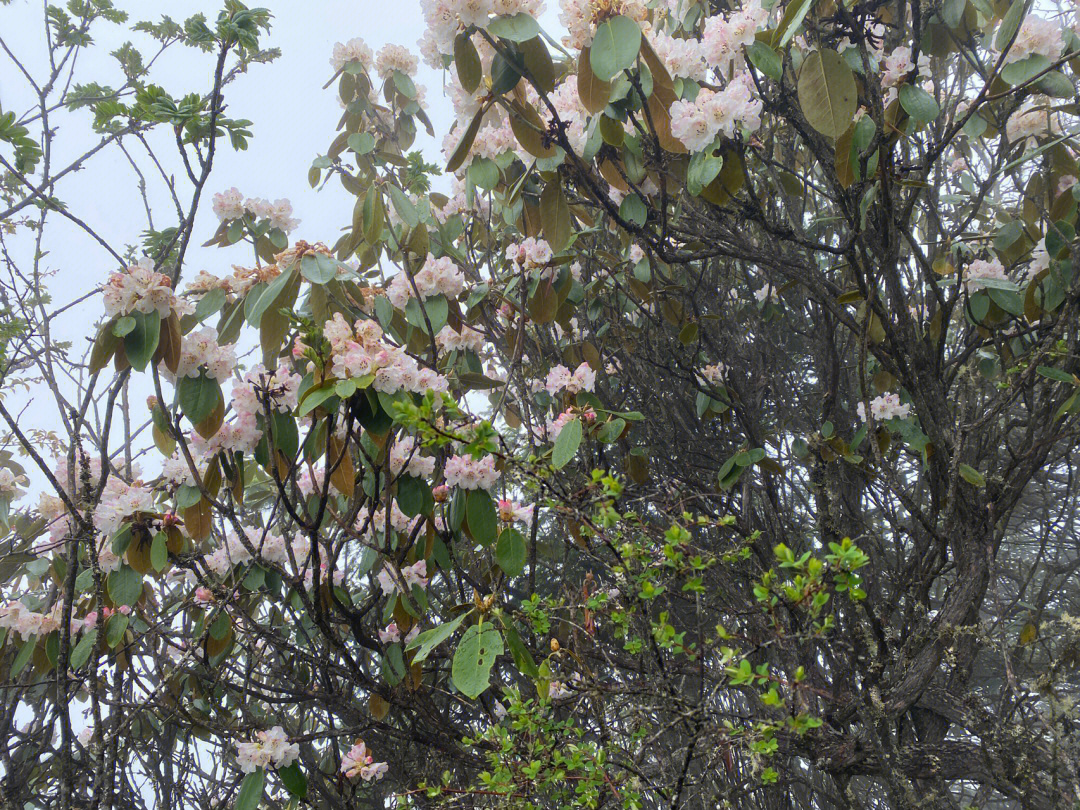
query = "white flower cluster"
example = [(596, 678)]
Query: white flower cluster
[(697, 123), (885, 407), (270, 749), (15, 616), (359, 762), (583, 378), (471, 473), (405, 456), (415, 574), (468, 339), (10, 484), (446, 17), (231, 204), (530, 253), (200, 349), (355, 50), (140, 288), (356, 354), (272, 548), (118, 501), (981, 269), (437, 277)]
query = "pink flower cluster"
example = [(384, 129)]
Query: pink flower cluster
[(555, 426), (979, 270), (682, 57), (530, 253), (714, 374), (885, 407), (583, 378), (1035, 117), (10, 483), (437, 277), (394, 57), (118, 501), (363, 352), (471, 473), (355, 50), (230, 205), (415, 574), (898, 65), (405, 457), (511, 511), (1036, 36), (468, 339), (270, 749), (697, 123), (280, 387), (201, 348), (140, 288), (392, 634), (446, 17), (15, 616), (359, 762), (579, 17), (723, 38)]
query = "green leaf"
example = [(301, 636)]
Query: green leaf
[(827, 93), (437, 310), (1024, 70), (404, 84), (515, 27), (972, 476), (566, 444), (473, 659), (1057, 374), (123, 325), (520, 653), (159, 552), (510, 552), (404, 207), (361, 142), (269, 295), (467, 61), (413, 495), (611, 431), (294, 780), (316, 397), (1010, 24), (187, 495), (482, 517), (430, 639), (142, 341), (81, 654), (765, 59), (794, 14), (23, 658), (318, 269), (251, 791), (210, 303), (198, 396), (125, 585), (615, 47), (114, 630), (919, 104)]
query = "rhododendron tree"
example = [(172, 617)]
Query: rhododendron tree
[(698, 432)]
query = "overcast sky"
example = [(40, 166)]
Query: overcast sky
[(294, 121)]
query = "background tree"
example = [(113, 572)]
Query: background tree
[(708, 442)]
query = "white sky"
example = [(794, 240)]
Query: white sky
[(294, 121)]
